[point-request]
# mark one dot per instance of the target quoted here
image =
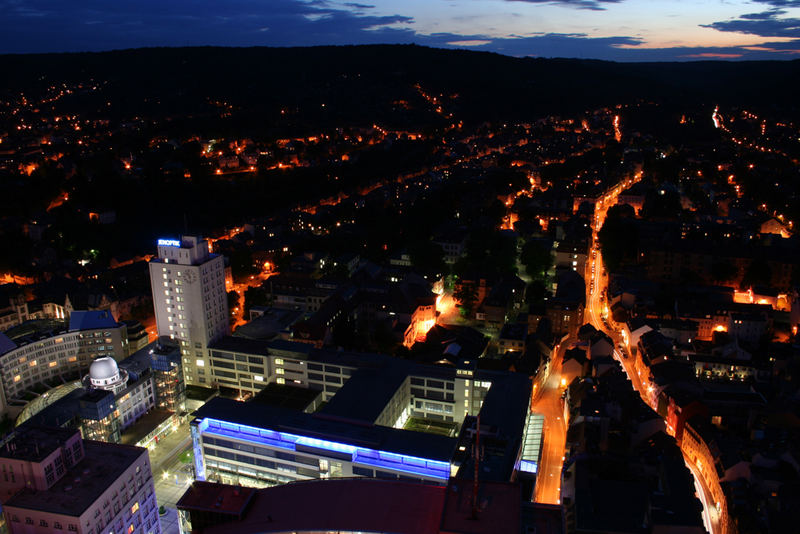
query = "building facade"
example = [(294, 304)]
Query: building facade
[(190, 301), (55, 481), (136, 401), (47, 350), (361, 428)]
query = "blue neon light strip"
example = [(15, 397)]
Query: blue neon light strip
[(528, 466), (199, 464), (324, 444), (362, 455), (169, 243), (433, 471)]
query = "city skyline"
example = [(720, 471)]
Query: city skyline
[(619, 30)]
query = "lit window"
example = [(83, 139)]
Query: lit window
[(279, 371), (17, 378), (278, 361), (135, 507), (258, 378), (200, 363), (281, 381)]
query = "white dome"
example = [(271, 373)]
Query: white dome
[(103, 369)]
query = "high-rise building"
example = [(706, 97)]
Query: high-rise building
[(55, 481), (190, 301)]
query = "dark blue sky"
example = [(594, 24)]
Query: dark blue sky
[(625, 30)]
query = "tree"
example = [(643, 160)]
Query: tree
[(535, 292), (255, 296), (661, 203), (537, 257), (233, 300), (427, 257), (466, 294), (758, 273), (722, 270)]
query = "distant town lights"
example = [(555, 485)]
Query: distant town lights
[(169, 243)]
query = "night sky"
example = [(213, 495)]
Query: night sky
[(622, 30)]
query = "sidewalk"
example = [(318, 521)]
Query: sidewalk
[(169, 447)]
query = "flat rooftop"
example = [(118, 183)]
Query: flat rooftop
[(291, 397), (84, 483), (218, 498), (240, 344), (365, 394), (499, 508), (31, 331), (34, 443), (277, 418), (342, 505), (144, 425)]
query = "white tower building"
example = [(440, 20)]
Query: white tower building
[(190, 301)]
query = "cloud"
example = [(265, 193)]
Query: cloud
[(780, 3), (713, 55), (594, 5), (58, 26), (620, 48), (763, 15), (95, 25), (764, 24)]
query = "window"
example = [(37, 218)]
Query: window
[(42, 523), (28, 521), (363, 472), (135, 507)]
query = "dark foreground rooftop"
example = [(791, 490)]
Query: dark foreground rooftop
[(84, 483)]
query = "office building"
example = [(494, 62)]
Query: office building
[(52, 352), (55, 481), (190, 301), (372, 422), (136, 401)]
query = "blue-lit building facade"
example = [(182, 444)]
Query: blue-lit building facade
[(360, 428)]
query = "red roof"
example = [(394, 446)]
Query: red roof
[(213, 497), (355, 504)]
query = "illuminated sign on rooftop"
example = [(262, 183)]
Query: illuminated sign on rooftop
[(169, 243)]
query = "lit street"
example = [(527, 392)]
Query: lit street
[(171, 475), (596, 312), (548, 403)]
